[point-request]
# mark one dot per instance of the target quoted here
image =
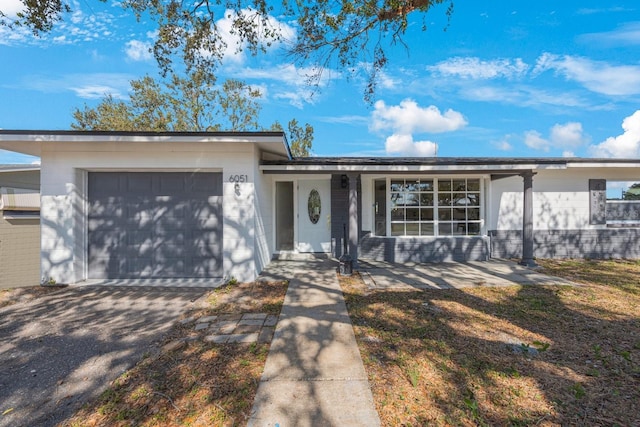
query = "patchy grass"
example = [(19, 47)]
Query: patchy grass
[(521, 355), (201, 384)]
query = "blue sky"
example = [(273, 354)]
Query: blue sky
[(505, 79)]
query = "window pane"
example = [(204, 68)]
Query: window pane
[(460, 199), (460, 229), (459, 185), (444, 199), (412, 185), (460, 214), (444, 214), (426, 199), (474, 229), (474, 199), (444, 229), (426, 185), (426, 214), (413, 214), (426, 229), (473, 214), (412, 199), (397, 229), (413, 229), (444, 185), (397, 185), (397, 214), (473, 185)]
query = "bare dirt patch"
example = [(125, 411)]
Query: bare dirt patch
[(200, 384), (521, 355), (16, 295)]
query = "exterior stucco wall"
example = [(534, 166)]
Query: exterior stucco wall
[(64, 197), (264, 229), (561, 215)]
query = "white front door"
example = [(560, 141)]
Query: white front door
[(314, 215)]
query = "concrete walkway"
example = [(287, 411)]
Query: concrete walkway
[(314, 374)]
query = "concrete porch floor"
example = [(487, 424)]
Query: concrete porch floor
[(450, 275)]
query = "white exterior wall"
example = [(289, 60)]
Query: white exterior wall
[(64, 177), (560, 198), (264, 241)]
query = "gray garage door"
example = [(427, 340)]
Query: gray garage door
[(155, 225)]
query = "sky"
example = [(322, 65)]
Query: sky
[(499, 79)]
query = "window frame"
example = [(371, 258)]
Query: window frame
[(400, 186)]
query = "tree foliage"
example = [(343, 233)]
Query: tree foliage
[(301, 138), (329, 33), (187, 104), (180, 104)]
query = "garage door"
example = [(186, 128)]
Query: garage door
[(154, 225)]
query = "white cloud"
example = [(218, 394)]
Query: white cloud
[(626, 35), (137, 50), (478, 69), (88, 86), (597, 76), (399, 144), (234, 51), (503, 144), (408, 118), (294, 89), (11, 8), (96, 92), (567, 136), (533, 139), (625, 145), (568, 153)]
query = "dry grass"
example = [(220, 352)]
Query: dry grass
[(532, 355), (200, 385)]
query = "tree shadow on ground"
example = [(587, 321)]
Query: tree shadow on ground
[(520, 355), (64, 348)]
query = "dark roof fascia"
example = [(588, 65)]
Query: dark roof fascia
[(439, 161)]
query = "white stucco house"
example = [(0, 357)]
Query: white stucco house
[(117, 205)]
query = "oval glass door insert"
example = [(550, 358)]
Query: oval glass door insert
[(314, 206)]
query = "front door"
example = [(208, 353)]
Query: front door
[(314, 215)]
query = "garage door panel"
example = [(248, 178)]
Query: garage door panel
[(205, 266), (165, 228)]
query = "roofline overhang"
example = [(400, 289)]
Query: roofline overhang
[(19, 168), (403, 169), (31, 141)]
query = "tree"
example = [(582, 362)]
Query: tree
[(187, 104), (180, 104), (632, 193), (329, 33), (300, 139)]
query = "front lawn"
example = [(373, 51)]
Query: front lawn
[(197, 384), (521, 355)]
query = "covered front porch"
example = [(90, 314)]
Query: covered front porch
[(420, 211)]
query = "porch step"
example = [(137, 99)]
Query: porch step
[(294, 256)]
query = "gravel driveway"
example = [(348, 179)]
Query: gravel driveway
[(61, 349)]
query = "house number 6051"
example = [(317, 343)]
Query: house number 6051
[(238, 178)]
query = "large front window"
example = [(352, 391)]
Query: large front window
[(429, 207)]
